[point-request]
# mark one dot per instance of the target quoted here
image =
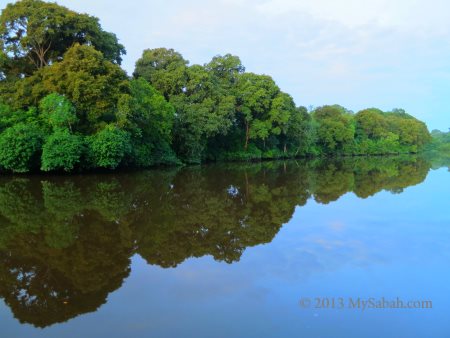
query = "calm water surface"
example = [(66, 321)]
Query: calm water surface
[(228, 251)]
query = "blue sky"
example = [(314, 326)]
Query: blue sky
[(359, 54)]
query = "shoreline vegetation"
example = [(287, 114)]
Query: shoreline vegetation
[(66, 105)]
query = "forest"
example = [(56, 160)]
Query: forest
[(66, 105)]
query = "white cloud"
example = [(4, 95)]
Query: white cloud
[(404, 14)]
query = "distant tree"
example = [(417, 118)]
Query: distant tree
[(370, 123), (335, 128), (300, 133)]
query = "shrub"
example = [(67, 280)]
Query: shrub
[(62, 151), (20, 148), (109, 146)]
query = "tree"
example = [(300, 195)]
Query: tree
[(370, 123), (85, 78), (109, 147), (335, 128), (164, 69), (413, 134), (149, 118), (439, 145), (35, 34), (255, 94), (10, 117), (203, 111), (299, 133), (62, 151), (58, 112), (147, 110), (225, 69), (20, 148), (283, 107), (203, 96)]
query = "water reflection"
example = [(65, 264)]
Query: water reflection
[(66, 242)]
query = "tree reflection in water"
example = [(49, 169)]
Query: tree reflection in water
[(66, 242)]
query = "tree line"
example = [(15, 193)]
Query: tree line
[(67, 105)]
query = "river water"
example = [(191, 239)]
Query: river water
[(314, 248)]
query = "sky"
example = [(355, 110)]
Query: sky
[(373, 53)]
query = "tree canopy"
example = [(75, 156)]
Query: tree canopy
[(36, 34)]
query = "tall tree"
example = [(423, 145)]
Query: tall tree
[(255, 95), (35, 34), (149, 118), (165, 69), (299, 133), (335, 128), (283, 107), (92, 83), (225, 69), (370, 123), (203, 111)]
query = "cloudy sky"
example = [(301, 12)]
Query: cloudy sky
[(359, 54)]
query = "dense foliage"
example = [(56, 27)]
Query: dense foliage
[(439, 147), (440, 141), (67, 105)]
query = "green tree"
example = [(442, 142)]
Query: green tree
[(440, 142), (281, 111), (299, 132), (58, 111), (85, 78), (335, 128), (149, 118), (20, 148), (225, 69), (62, 151), (35, 34), (255, 94), (202, 96), (165, 69), (203, 111), (413, 134), (10, 117), (109, 147), (370, 123), (147, 110)]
